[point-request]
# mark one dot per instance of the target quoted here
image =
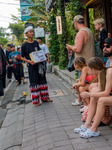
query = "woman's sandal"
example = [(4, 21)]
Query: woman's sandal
[(89, 133), (81, 129)]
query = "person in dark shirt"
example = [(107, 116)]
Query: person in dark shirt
[(9, 64), (37, 78), (17, 64), (99, 26), (2, 71), (22, 67)]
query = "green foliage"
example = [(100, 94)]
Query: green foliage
[(48, 21), (39, 16), (3, 34), (91, 20), (4, 41), (63, 57), (54, 43), (73, 8), (18, 30), (68, 33)]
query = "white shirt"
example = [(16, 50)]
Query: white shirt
[(44, 48), (4, 51)]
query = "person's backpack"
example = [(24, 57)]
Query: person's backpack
[(70, 63)]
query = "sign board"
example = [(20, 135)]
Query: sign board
[(39, 32), (24, 7), (47, 38), (38, 56), (59, 25)]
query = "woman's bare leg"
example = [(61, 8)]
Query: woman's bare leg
[(102, 102), (92, 110), (93, 104), (83, 89)]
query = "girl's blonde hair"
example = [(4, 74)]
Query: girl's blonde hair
[(97, 64), (100, 21), (80, 61)]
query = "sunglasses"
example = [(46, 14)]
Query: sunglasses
[(107, 46)]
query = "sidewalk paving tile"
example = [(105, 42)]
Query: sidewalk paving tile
[(49, 126), (105, 148), (100, 144)]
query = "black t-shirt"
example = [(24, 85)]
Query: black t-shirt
[(7, 56), (102, 36), (27, 48), (3, 59)]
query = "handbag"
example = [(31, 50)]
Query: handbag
[(41, 69), (70, 63)]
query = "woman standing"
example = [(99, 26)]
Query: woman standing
[(37, 78)]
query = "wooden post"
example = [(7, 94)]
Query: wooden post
[(107, 14)]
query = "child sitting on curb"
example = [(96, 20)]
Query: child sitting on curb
[(85, 79)]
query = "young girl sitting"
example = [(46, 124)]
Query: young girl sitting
[(85, 79)]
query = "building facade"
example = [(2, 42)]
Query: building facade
[(101, 8)]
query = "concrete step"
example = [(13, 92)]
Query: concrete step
[(67, 76)]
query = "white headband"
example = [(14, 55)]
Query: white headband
[(28, 29)]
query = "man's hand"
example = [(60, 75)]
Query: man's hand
[(32, 62), (8, 65), (48, 60), (84, 94), (69, 47)]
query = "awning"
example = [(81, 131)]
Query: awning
[(90, 2)]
